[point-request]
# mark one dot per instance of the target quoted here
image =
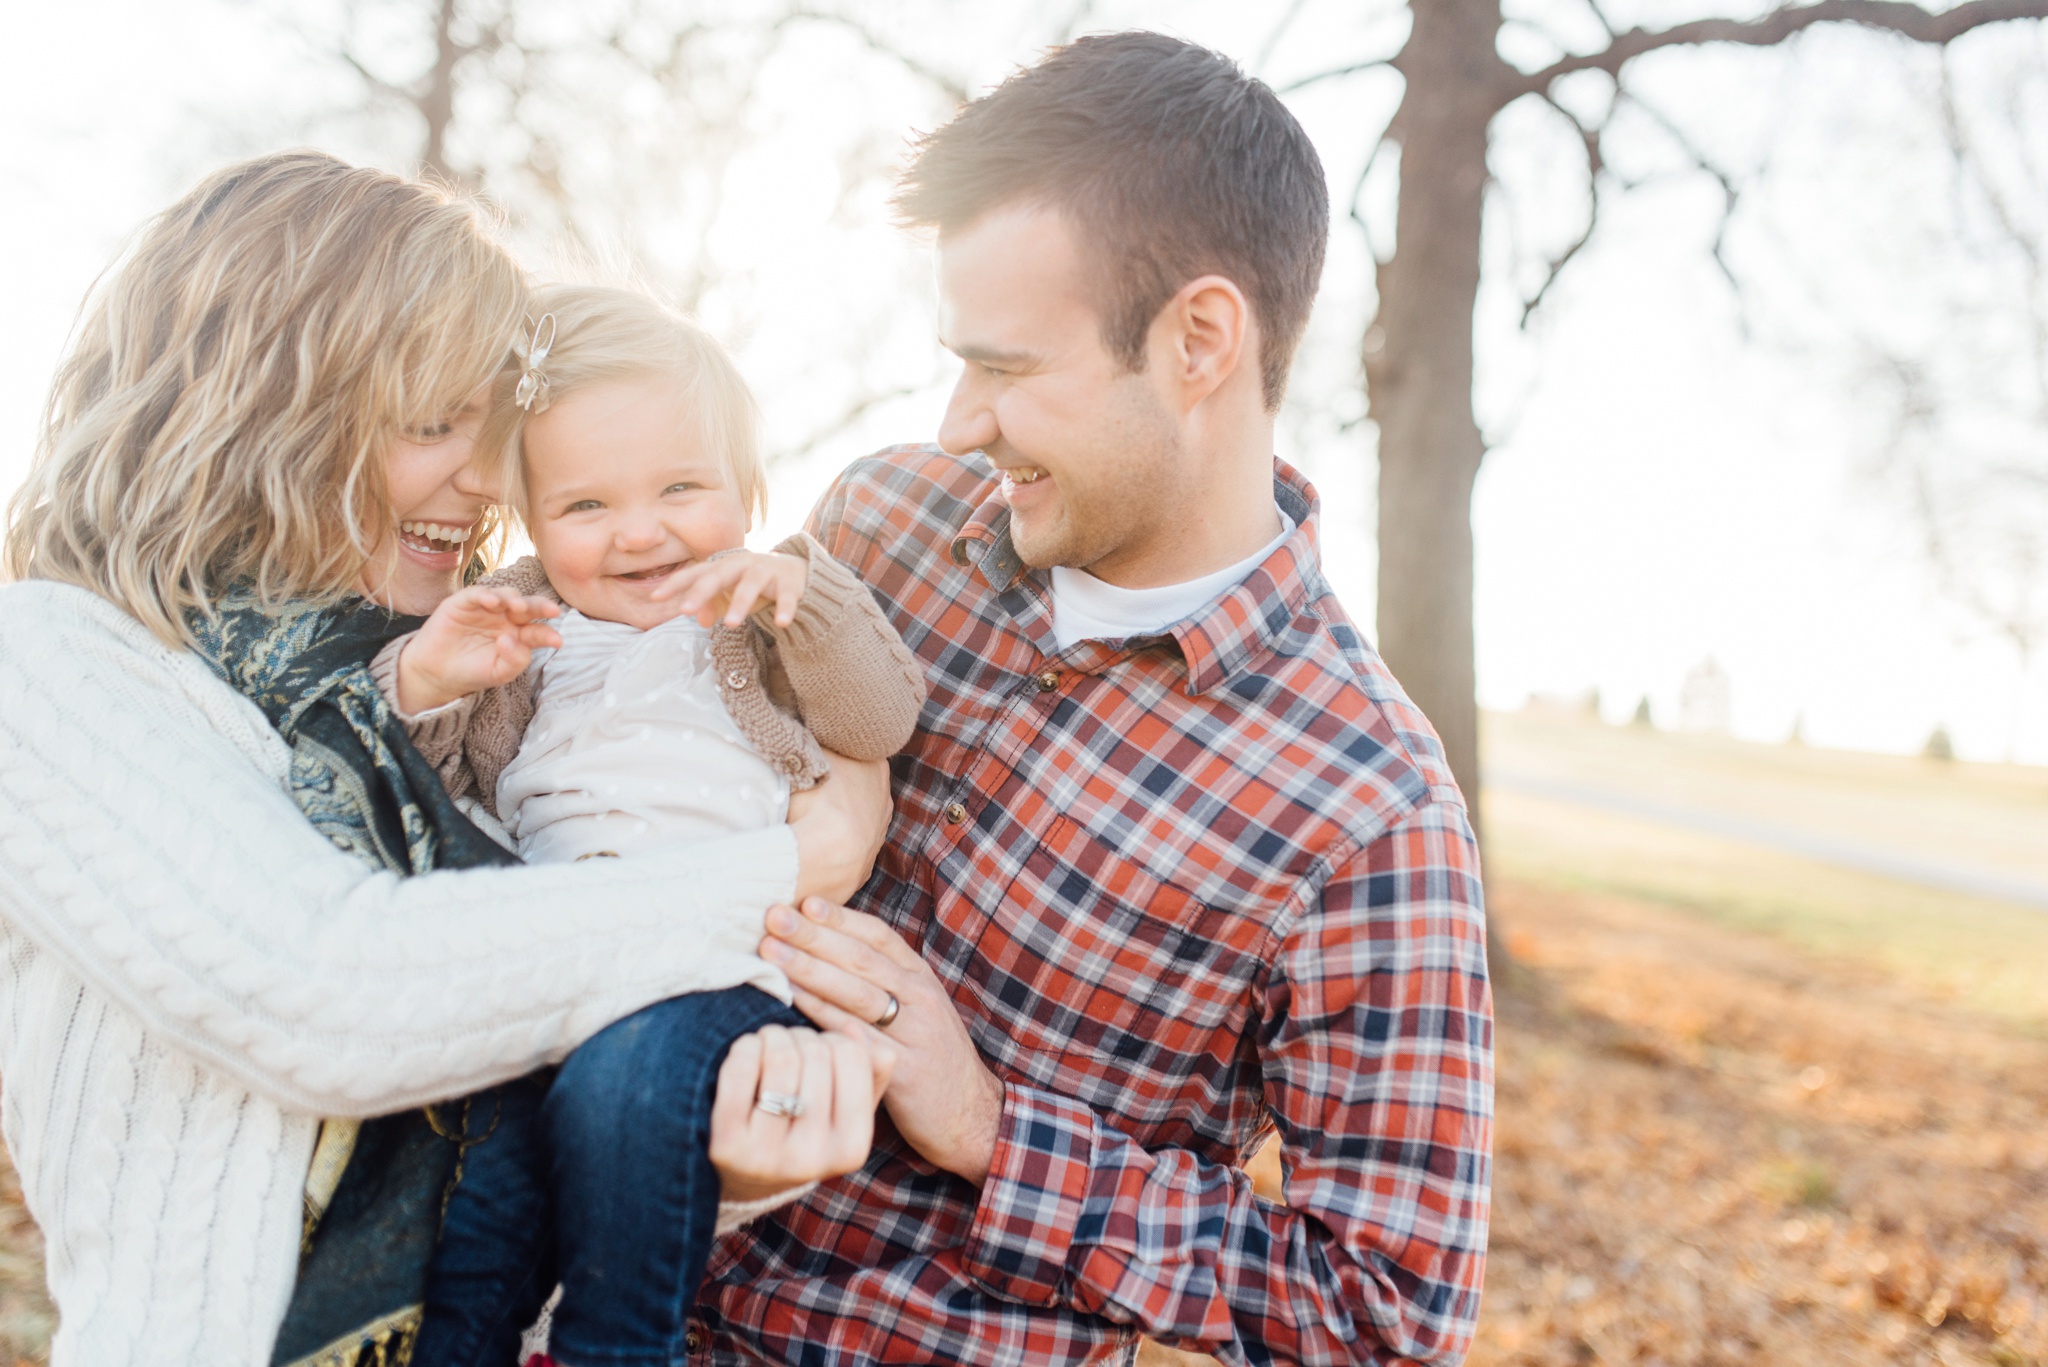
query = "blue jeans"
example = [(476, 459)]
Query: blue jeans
[(598, 1177)]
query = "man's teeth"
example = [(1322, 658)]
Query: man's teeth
[(1025, 474), (436, 531)]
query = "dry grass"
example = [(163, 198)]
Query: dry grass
[(1714, 1150), (26, 1317)]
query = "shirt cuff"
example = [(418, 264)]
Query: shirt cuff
[(1031, 1205), (384, 669)]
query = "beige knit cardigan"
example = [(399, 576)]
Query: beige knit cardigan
[(838, 678)]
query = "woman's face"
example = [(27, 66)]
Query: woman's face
[(438, 496)]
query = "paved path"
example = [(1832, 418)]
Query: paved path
[(1826, 849)]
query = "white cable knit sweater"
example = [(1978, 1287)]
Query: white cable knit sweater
[(190, 976)]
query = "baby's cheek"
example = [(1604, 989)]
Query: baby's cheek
[(718, 526), (572, 562)]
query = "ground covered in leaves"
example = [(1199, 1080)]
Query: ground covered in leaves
[(1712, 1149)]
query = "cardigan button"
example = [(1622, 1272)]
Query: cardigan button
[(735, 680), (956, 812)]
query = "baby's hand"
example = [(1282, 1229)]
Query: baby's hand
[(477, 639), (732, 584)]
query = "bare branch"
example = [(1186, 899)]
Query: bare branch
[(1357, 210), (1731, 190), (378, 85), (1076, 17), (859, 407), (949, 85), (1970, 164), (1278, 32), (1332, 74), (1893, 16), (1596, 166), (1600, 13)]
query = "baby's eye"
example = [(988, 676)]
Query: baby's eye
[(682, 486), (583, 505)]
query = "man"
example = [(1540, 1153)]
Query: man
[(1174, 860)]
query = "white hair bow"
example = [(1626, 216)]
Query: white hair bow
[(532, 393)]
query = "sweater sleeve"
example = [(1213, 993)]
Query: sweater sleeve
[(147, 841), (469, 741), (857, 686)]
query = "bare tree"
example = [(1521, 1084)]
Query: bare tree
[(1964, 440), (1418, 348), (609, 132)]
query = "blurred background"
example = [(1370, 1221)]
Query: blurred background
[(1716, 544)]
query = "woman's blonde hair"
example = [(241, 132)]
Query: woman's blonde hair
[(237, 378), (603, 332)]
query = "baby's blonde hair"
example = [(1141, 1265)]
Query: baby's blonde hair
[(604, 333), (237, 379)]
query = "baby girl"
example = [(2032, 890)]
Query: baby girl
[(642, 680)]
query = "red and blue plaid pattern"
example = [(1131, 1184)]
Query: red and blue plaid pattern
[(1183, 889)]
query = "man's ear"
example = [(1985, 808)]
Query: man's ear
[(1202, 337)]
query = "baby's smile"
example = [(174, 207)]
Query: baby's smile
[(652, 573)]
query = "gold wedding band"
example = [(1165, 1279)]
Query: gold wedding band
[(780, 1103), (895, 1008)]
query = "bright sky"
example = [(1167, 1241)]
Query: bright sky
[(1664, 486)]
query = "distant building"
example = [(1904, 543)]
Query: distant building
[(1703, 701)]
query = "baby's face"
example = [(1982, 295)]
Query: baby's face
[(621, 493)]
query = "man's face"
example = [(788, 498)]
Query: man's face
[(1087, 448)]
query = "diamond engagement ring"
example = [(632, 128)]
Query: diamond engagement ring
[(882, 1022), (780, 1103)]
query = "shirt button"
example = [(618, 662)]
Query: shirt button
[(693, 1342), (956, 812), (1049, 680)]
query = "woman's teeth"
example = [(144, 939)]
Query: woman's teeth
[(436, 536)]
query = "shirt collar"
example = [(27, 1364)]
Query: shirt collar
[(1231, 634)]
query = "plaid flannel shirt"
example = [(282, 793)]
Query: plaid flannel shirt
[(1182, 889)]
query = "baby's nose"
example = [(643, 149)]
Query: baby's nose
[(639, 534)]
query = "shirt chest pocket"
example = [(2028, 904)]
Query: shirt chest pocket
[(1093, 978)]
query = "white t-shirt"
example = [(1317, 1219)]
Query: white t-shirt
[(1085, 608), (631, 748)]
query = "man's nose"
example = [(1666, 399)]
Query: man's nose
[(970, 422)]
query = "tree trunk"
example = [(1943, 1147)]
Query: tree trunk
[(436, 98), (1418, 363)]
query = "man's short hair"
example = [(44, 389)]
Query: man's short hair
[(1171, 162)]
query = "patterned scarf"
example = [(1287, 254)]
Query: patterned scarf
[(375, 1194)]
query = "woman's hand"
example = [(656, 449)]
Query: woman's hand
[(477, 639), (839, 827), (836, 1080)]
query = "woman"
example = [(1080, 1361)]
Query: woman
[(209, 940)]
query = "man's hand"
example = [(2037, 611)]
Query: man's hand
[(840, 825), (845, 967), (727, 587), (477, 639)]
